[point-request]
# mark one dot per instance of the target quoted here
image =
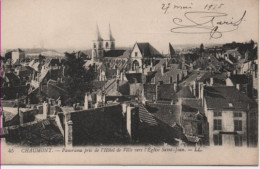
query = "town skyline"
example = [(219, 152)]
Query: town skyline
[(73, 27)]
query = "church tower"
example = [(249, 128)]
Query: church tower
[(97, 49), (110, 43)]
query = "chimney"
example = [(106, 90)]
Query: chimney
[(117, 72), (162, 70), (21, 117), (228, 74), (194, 88), (86, 102), (175, 87), (234, 72), (238, 87), (100, 75), (124, 108), (156, 91), (46, 109), (129, 120), (179, 107), (121, 76), (202, 92), (199, 91), (211, 81), (68, 133)]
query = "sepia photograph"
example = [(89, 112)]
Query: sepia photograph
[(129, 82)]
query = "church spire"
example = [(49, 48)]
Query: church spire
[(110, 36), (98, 36)]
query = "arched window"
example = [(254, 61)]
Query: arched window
[(107, 45), (94, 46)]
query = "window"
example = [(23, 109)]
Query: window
[(94, 46), (136, 54), (217, 140), (200, 129), (217, 124), (171, 80), (218, 114), (238, 140), (106, 44), (237, 114), (238, 125)]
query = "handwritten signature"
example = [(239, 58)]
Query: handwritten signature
[(211, 23)]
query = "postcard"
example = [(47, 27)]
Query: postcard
[(120, 82)]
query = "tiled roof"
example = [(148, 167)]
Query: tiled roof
[(145, 116), (167, 113), (226, 97), (37, 133)]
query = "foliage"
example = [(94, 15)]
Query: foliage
[(77, 79)]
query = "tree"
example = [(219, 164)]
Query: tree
[(77, 79)]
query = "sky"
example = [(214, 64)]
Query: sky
[(72, 23)]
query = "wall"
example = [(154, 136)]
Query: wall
[(136, 89), (227, 126), (99, 126)]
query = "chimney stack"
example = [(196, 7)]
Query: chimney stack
[(86, 102), (211, 81), (200, 87), (194, 88), (129, 120), (162, 70), (175, 87), (69, 134), (228, 74), (46, 109), (21, 117), (117, 72), (179, 107), (238, 87)]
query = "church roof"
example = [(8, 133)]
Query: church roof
[(148, 50)]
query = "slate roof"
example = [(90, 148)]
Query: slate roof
[(185, 92), (134, 77), (166, 92), (226, 97), (218, 79), (148, 50), (12, 78), (239, 79), (114, 53), (98, 84), (192, 105)]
